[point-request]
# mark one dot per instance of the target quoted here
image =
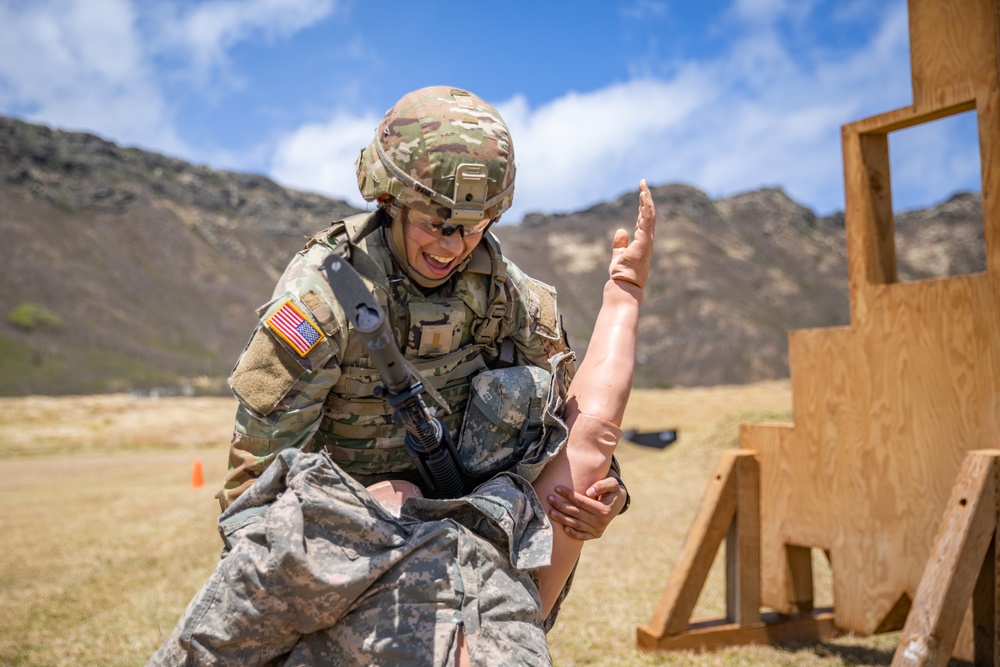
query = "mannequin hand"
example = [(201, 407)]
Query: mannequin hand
[(630, 261), (586, 517)]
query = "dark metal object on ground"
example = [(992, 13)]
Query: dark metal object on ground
[(657, 439)]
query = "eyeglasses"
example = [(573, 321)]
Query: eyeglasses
[(440, 229)]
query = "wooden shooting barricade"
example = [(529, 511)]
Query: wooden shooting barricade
[(885, 412)]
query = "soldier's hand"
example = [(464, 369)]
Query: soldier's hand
[(631, 261), (586, 517)]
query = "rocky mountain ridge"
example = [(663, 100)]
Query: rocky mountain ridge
[(124, 269)]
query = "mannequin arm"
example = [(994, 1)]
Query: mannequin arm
[(599, 391)]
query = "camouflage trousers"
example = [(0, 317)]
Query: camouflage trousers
[(321, 574)]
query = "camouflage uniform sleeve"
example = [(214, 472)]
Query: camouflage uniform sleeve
[(285, 373), (535, 326)]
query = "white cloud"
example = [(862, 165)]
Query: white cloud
[(563, 161), (582, 148), (932, 161), (760, 113), (770, 11), (641, 10), (206, 32), (320, 157), (80, 64), (104, 65), (756, 115)]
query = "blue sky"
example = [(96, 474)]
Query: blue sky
[(724, 95)]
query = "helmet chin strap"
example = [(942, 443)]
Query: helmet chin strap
[(397, 248)]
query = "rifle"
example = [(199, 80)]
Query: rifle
[(427, 440)]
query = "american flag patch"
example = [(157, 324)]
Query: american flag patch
[(294, 328)]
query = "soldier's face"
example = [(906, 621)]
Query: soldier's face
[(428, 251)]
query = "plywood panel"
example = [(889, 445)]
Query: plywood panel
[(771, 441), (883, 417), (952, 49), (886, 409), (989, 150)]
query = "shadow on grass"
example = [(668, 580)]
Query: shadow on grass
[(853, 654)]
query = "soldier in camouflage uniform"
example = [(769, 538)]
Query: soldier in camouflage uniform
[(441, 168), (320, 572)]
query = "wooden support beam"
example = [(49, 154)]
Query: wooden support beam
[(743, 546), (985, 605), (800, 577), (967, 535), (711, 524), (879, 230), (729, 510), (772, 629), (900, 119)]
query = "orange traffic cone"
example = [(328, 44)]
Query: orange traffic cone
[(197, 476)]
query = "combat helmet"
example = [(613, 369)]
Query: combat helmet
[(444, 152)]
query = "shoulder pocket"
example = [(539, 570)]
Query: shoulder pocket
[(542, 309), (265, 373)]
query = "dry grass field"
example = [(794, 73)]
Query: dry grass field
[(105, 540)]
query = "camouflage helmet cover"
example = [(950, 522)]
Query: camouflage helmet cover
[(444, 152)]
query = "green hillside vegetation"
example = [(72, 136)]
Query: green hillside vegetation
[(32, 316)]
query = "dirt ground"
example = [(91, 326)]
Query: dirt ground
[(106, 541), (47, 426)]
